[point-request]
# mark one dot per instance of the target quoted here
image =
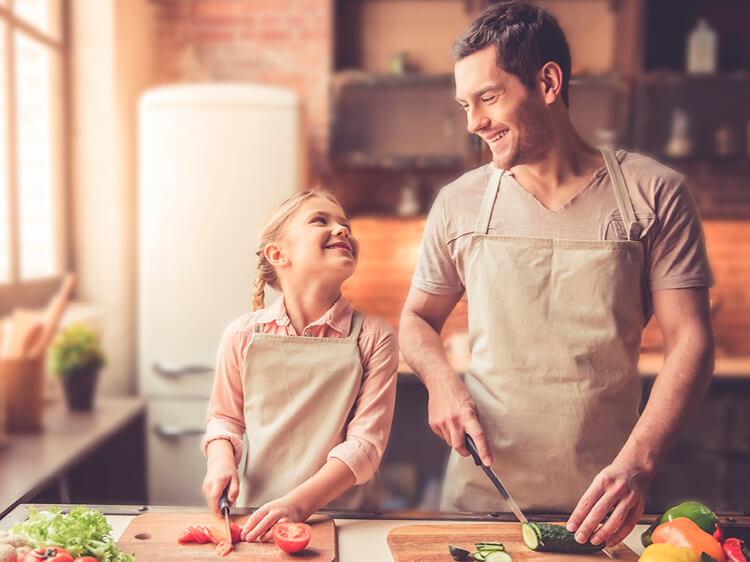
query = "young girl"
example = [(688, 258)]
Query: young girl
[(309, 380)]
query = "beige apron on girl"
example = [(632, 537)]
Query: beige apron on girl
[(555, 330), (299, 395)]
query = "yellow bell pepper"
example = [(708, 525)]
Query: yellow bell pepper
[(665, 552)]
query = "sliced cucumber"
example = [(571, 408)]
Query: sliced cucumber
[(489, 545), (498, 556), (479, 556), (458, 553), (546, 537)]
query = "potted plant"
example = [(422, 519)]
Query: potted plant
[(75, 355)]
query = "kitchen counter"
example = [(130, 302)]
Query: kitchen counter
[(31, 461), (361, 536)]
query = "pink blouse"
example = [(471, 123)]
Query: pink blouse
[(368, 430)]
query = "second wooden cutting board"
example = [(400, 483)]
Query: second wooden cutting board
[(413, 543), (153, 536)]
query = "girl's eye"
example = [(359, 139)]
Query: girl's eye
[(319, 219)]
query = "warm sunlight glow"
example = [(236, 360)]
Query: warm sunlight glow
[(35, 162)]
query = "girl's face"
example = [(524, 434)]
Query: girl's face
[(318, 242)]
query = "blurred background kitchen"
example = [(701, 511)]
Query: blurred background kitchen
[(138, 136)]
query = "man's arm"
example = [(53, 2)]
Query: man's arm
[(684, 318), (452, 411)]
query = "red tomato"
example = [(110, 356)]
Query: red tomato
[(291, 537), (186, 536), (235, 530), (86, 559), (49, 553)]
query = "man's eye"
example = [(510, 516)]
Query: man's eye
[(488, 99)]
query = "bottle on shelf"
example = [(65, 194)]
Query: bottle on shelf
[(702, 49)]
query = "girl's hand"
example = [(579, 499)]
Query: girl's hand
[(260, 523), (220, 473)]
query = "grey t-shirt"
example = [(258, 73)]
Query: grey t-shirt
[(672, 237)]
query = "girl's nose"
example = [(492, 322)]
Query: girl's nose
[(340, 229)]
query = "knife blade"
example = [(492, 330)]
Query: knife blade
[(500, 487), (494, 479), (224, 508)]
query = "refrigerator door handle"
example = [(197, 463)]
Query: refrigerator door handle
[(174, 371), (173, 432)]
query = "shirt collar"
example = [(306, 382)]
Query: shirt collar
[(338, 317)]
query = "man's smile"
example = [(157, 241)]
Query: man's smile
[(495, 137)]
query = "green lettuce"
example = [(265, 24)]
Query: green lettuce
[(82, 532)]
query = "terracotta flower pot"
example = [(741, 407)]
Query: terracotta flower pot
[(79, 388)]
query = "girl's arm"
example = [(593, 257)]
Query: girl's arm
[(222, 442), (332, 480)]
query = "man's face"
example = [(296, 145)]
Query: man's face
[(512, 119)]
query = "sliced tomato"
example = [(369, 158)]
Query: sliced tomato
[(86, 559), (186, 536), (200, 533), (48, 553), (223, 548), (235, 530), (291, 537)]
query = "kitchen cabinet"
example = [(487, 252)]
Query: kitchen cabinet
[(711, 458), (95, 456)]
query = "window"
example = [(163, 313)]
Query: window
[(32, 159)]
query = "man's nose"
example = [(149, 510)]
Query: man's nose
[(475, 121)]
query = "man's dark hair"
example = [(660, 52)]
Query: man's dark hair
[(526, 37)]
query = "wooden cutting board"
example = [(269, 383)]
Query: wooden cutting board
[(430, 542), (153, 536)]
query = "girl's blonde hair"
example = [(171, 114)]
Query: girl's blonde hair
[(272, 232)]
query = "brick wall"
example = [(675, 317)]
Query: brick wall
[(389, 247), (279, 42)]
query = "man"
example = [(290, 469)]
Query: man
[(564, 252)]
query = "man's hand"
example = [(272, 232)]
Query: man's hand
[(618, 490), (260, 524), (452, 412)]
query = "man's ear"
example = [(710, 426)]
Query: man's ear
[(551, 81), (275, 255)]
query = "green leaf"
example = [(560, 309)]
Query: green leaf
[(82, 532)]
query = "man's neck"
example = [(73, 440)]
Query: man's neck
[(562, 172)]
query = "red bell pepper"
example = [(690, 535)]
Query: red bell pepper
[(733, 549)]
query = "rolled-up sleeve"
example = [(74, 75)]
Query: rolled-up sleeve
[(368, 431), (225, 418)]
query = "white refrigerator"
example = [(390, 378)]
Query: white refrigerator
[(214, 159)]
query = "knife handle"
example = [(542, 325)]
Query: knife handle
[(224, 501), (472, 448)]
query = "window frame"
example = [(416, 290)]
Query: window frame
[(35, 292)]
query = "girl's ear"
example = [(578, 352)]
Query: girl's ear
[(275, 255), (551, 79)]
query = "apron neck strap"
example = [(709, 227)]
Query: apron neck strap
[(356, 325), (488, 203), (624, 203)]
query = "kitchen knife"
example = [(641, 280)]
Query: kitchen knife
[(224, 508), (495, 480), (499, 485)]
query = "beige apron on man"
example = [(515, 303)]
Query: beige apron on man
[(555, 329), (299, 395)]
